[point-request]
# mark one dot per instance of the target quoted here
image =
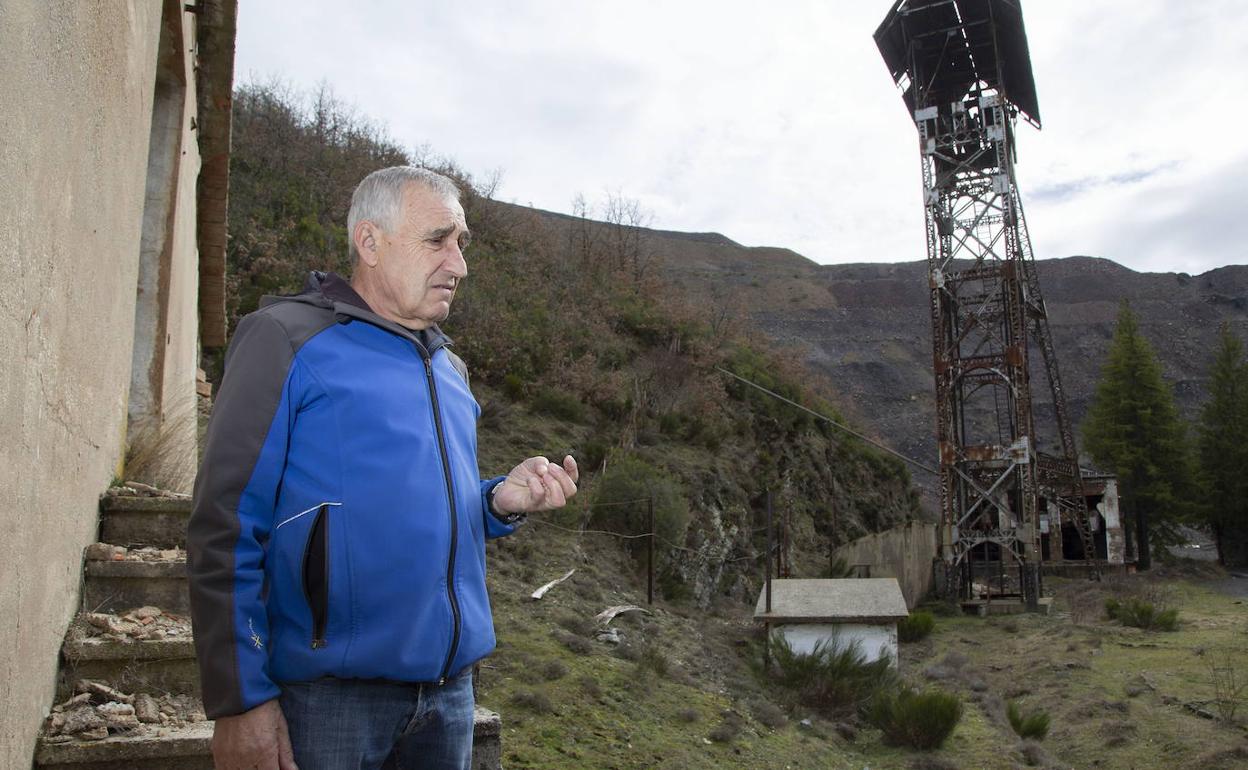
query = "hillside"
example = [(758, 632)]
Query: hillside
[(604, 339), (577, 343), (681, 690), (866, 328)]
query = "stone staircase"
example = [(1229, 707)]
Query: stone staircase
[(128, 687)]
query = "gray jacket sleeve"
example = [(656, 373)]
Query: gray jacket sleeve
[(235, 494)]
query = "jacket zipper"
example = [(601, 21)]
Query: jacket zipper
[(316, 582), (450, 494)]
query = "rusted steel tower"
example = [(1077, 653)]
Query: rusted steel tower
[(965, 74)]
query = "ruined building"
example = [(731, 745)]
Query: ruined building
[(114, 150)]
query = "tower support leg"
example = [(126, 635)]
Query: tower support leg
[(1031, 586)]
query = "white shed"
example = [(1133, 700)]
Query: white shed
[(865, 611)]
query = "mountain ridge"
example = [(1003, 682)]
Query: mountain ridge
[(865, 325)]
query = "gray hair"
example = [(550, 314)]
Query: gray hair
[(379, 197)]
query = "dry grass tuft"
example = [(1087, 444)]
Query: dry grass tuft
[(163, 453)]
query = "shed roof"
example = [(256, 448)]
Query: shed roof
[(832, 601)]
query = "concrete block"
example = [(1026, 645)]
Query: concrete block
[(151, 521), (487, 748), (183, 748), (167, 665), (114, 586)]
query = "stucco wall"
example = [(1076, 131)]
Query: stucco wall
[(75, 95), (904, 552), (162, 407), (874, 641)]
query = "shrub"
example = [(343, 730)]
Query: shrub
[(920, 720), (1034, 755), (589, 685), (591, 455), (630, 478), (1229, 687), (553, 670), (1032, 726), (768, 714), (558, 404), (534, 700), (916, 626), (1142, 614), (577, 624), (494, 415), (513, 386), (673, 586), (578, 644), (651, 658), (834, 677), (728, 729)]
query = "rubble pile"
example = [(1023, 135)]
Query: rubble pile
[(98, 711), (137, 625), (106, 552), (139, 489)]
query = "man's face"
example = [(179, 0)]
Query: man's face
[(420, 260)]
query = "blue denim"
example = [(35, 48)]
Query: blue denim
[(372, 724)]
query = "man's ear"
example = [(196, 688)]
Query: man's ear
[(365, 237)]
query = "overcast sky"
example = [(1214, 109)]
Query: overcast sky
[(777, 124)]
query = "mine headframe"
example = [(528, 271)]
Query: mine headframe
[(965, 74)]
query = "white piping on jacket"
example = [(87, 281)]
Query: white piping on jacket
[(304, 513)]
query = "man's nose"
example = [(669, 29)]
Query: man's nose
[(455, 264)]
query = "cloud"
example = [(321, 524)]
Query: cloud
[(1075, 187), (1189, 225), (785, 128)]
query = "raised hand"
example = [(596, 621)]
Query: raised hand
[(537, 485)]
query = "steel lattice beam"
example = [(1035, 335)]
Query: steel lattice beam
[(957, 62)]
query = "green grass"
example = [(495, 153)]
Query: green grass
[(657, 710), (688, 673)]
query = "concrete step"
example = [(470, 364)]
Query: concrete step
[(148, 748), (189, 748), (114, 586), (139, 521), (156, 666)]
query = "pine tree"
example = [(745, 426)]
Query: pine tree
[(1133, 430), (1223, 448)]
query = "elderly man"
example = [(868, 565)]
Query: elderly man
[(337, 545)]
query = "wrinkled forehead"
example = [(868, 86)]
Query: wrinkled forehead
[(426, 207)]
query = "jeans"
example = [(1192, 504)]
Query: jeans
[(345, 724)]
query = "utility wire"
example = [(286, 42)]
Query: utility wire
[(657, 537), (825, 418)]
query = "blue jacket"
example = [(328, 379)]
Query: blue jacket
[(339, 519)]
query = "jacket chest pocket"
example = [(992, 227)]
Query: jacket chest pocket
[(316, 575)]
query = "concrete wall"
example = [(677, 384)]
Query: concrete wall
[(1115, 539), (76, 88), (904, 552), (162, 430), (875, 641)]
